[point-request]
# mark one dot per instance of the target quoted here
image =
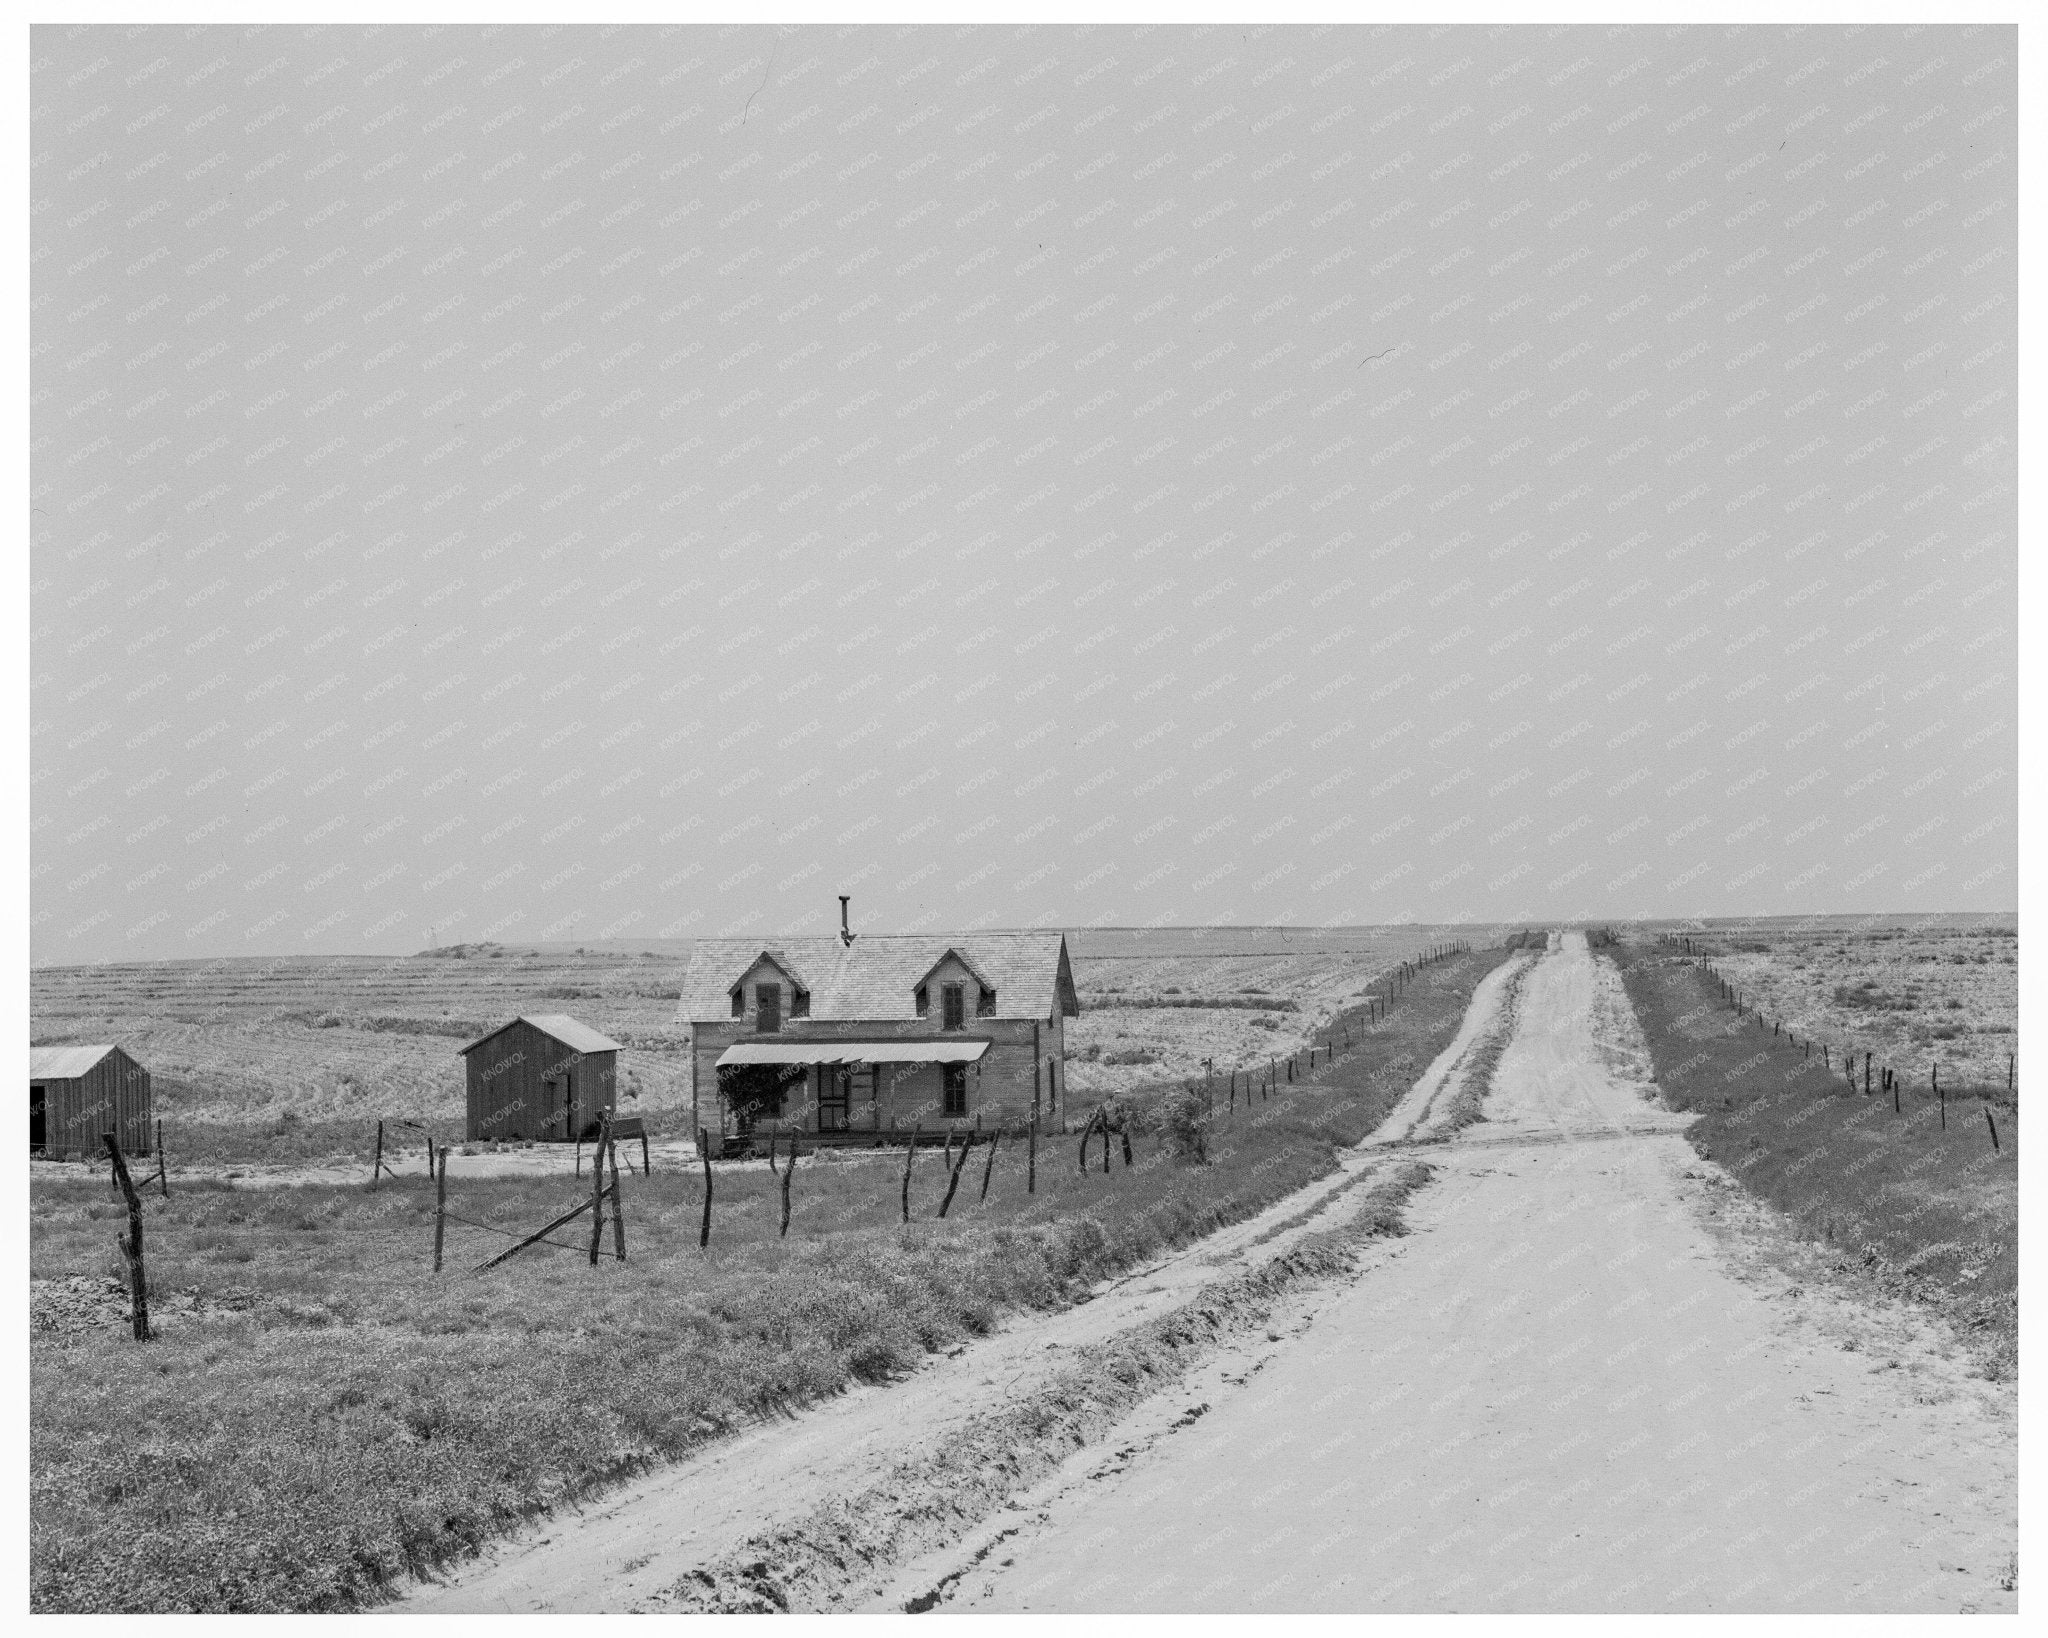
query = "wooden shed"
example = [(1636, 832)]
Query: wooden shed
[(76, 1094), (543, 1075)]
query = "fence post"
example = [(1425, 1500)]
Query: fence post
[(611, 1149), (909, 1156), (704, 1152), (960, 1165), (788, 1172), (989, 1166), (1031, 1163), (163, 1162), (377, 1164), (1988, 1121), (597, 1191), (440, 1207), (1941, 1097), (131, 1246)]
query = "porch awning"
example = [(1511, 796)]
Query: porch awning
[(852, 1052)]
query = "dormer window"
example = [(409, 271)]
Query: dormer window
[(924, 1000), (800, 1004), (985, 1003), (955, 999), (767, 1008)]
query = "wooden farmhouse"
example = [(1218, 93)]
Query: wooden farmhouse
[(543, 1075), (864, 1039), (76, 1094)]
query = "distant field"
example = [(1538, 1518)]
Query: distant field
[(293, 1060), (1916, 993)]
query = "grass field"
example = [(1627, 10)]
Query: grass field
[(1917, 996), (290, 1062), (321, 1413), (1930, 1211)]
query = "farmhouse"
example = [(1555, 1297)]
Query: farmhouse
[(853, 1038), (78, 1093), (543, 1075)]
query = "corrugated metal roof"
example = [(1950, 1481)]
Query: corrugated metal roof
[(63, 1063), (571, 1032), (876, 978), (852, 1052)]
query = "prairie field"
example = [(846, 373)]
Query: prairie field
[(1916, 1197), (292, 1061), (1916, 994), (321, 1413)]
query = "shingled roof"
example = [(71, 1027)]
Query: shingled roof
[(63, 1063), (876, 977), (574, 1034)]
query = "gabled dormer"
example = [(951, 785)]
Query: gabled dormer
[(770, 991), (959, 986)]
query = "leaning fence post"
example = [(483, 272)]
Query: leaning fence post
[(131, 1246), (989, 1166), (960, 1165), (440, 1207), (1988, 1121)]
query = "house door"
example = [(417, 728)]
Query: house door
[(38, 1133), (835, 1094)]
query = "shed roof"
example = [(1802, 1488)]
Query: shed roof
[(572, 1033), (876, 977), (64, 1063)]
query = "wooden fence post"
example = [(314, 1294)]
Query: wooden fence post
[(1988, 1121), (1031, 1161), (377, 1164), (1941, 1097), (989, 1166), (960, 1165), (597, 1193), (131, 1245), (163, 1162), (704, 1150), (909, 1156), (788, 1172), (440, 1207), (611, 1149)]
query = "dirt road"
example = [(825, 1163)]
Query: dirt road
[(1567, 1390)]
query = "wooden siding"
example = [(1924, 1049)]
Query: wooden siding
[(517, 1079), (112, 1096), (901, 1096)]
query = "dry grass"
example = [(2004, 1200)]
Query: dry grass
[(1917, 996), (1931, 1211), (325, 1414)]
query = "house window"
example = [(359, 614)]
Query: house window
[(800, 1004), (956, 1006), (924, 1000), (956, 1089), (739, 1000), (767, 1008), (985, 1003)]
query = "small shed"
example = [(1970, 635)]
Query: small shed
[(77, 1094), (543, 1075)]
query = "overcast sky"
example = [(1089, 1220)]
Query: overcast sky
[(546, 483)]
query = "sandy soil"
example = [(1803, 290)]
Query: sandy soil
[(1583, 1383)]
